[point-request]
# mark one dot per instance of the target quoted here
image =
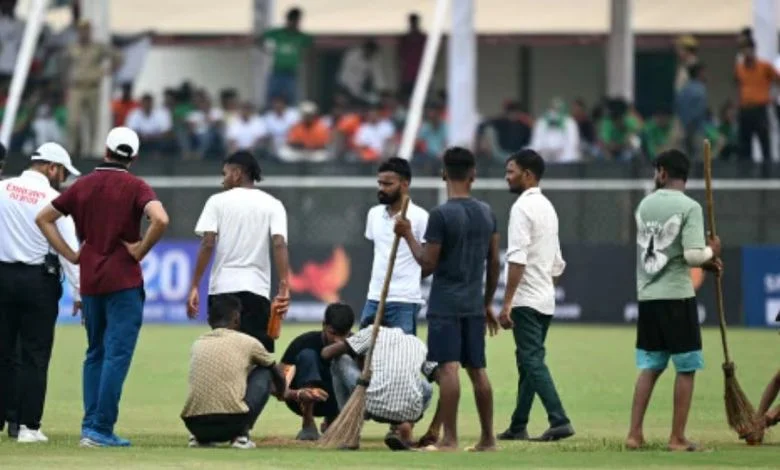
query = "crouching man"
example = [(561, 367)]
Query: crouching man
[(397, 394), (310, 390), (231, 377)]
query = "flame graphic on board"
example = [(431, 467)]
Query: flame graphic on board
[(323, 280)]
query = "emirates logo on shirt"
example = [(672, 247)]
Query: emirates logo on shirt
[(28, 196)]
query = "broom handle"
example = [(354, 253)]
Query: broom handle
[(711, 221), (380, 311)]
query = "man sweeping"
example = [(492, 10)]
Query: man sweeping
[(670, 238), (535, 263), (460, 241)]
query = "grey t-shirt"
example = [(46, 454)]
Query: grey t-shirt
[(463, 227)]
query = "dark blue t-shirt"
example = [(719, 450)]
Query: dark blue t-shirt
[(463, 228)]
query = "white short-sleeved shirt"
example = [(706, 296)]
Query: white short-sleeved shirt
[(21, 199), (11, 32), (244, 220), (159, 121), (374, 136), (405, 284), (278, 126), (246, 133), (533, 242)]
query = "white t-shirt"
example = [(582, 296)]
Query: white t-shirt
[(244, 220), (200, 120), (405, 284), (245, 134), (374, 136), (157, 122), (279, 126)]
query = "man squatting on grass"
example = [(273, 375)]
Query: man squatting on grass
[(460, 240), (670, 239), (397, 394), (231, 377), (310, 387)]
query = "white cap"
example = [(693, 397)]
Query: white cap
[(54, 153), (308, 108), (123, 141)]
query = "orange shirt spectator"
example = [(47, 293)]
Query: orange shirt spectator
[(313, 135), (755, 82), (348, 125), (120, 109)]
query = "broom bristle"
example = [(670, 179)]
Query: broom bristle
[(344, 433), (739, 411)]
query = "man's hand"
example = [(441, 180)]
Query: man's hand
[(490, 320), (714, 244), (193, 303), (714, 266), (402, 227), (282, 299), (505, 318), (134, 249), (77, 305)]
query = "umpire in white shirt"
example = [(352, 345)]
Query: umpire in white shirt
[(30, 284), (534, 264)]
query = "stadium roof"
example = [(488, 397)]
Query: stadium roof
[(352, 17)]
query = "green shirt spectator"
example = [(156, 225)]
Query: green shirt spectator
[(619, 131), (287, 46), (657, 134)]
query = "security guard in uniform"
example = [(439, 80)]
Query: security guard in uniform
[(30, 285)]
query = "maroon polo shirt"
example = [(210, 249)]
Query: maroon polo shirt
[(107, 206)]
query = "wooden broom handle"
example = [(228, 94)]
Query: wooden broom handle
[(380, 311), (711, 222)]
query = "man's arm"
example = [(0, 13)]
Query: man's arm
[(493, 269), (47, 222), (72, 272), (334, 350), (205, 252), (159, 220), (426, 255), (280, 251)]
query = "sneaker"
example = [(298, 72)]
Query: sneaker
[(28, 436), (90, 438), (243, 442), (120, 441), (194, 443)]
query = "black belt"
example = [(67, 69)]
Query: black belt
[(20, 265)]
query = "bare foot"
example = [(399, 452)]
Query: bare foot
[(482, 448), (427, 440), (635, 443), (684, 445), (442, 447)]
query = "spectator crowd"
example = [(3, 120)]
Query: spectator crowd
[(365, 120)]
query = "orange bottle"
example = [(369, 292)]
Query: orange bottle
[(275, 322)]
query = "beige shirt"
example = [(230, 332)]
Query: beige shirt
[(87, 65), (220, 363)]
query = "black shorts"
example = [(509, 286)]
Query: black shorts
[(255, 314), (668, 325), (457, 339), (218, 427)]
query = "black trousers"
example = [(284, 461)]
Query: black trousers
[(28, 312), (255, 314), (312, 371), (226, 427), (754, 120)]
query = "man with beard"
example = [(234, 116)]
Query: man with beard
[(535, 263), (670, 239), (30, 288), (404, 298)]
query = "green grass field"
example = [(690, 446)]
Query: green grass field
[(593, 368)]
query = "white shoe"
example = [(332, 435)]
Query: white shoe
[(194, 443), (243, 442), (27, 436)]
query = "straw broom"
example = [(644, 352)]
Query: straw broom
[(739, 411), (344, 433)]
